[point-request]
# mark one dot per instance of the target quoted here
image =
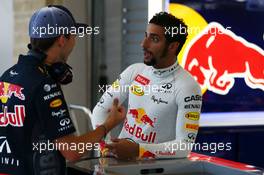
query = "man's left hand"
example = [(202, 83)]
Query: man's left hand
[(124, 149)]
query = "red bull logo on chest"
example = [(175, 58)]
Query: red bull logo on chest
[(15, 119), (141, 117), (142, 121), (8, 90)]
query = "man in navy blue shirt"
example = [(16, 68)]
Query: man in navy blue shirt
[(33, 111)]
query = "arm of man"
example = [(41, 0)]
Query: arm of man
[(55, 122), (116, 115), (119, 90)]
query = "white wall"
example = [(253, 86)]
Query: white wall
[(79, 91), (6, 35)]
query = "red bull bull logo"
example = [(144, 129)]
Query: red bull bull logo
[(8, 90), (141, 117), (148, 154), (15, 118), (217, 56), (143, 153)]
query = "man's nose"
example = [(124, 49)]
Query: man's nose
[(144, 43)]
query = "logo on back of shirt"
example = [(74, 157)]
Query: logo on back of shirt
[(8, 90)]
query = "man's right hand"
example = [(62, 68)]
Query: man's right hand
[(116, 115)]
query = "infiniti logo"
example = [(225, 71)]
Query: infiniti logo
[(64, 122), (192, 136), (166, 85)]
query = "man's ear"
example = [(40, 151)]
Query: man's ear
[(61, 41), (174, 46)]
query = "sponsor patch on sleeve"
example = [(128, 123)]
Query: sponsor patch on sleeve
[(56, 103), (192, 116), (52, 95), (190, 126)]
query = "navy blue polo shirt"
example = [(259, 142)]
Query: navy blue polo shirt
[(33, 113)]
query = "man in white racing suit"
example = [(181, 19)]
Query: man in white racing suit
[(164, 100)]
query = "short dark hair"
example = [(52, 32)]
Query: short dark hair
[(43, 44), (168, 21)]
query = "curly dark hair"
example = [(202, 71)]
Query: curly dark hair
[(168, 21)]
